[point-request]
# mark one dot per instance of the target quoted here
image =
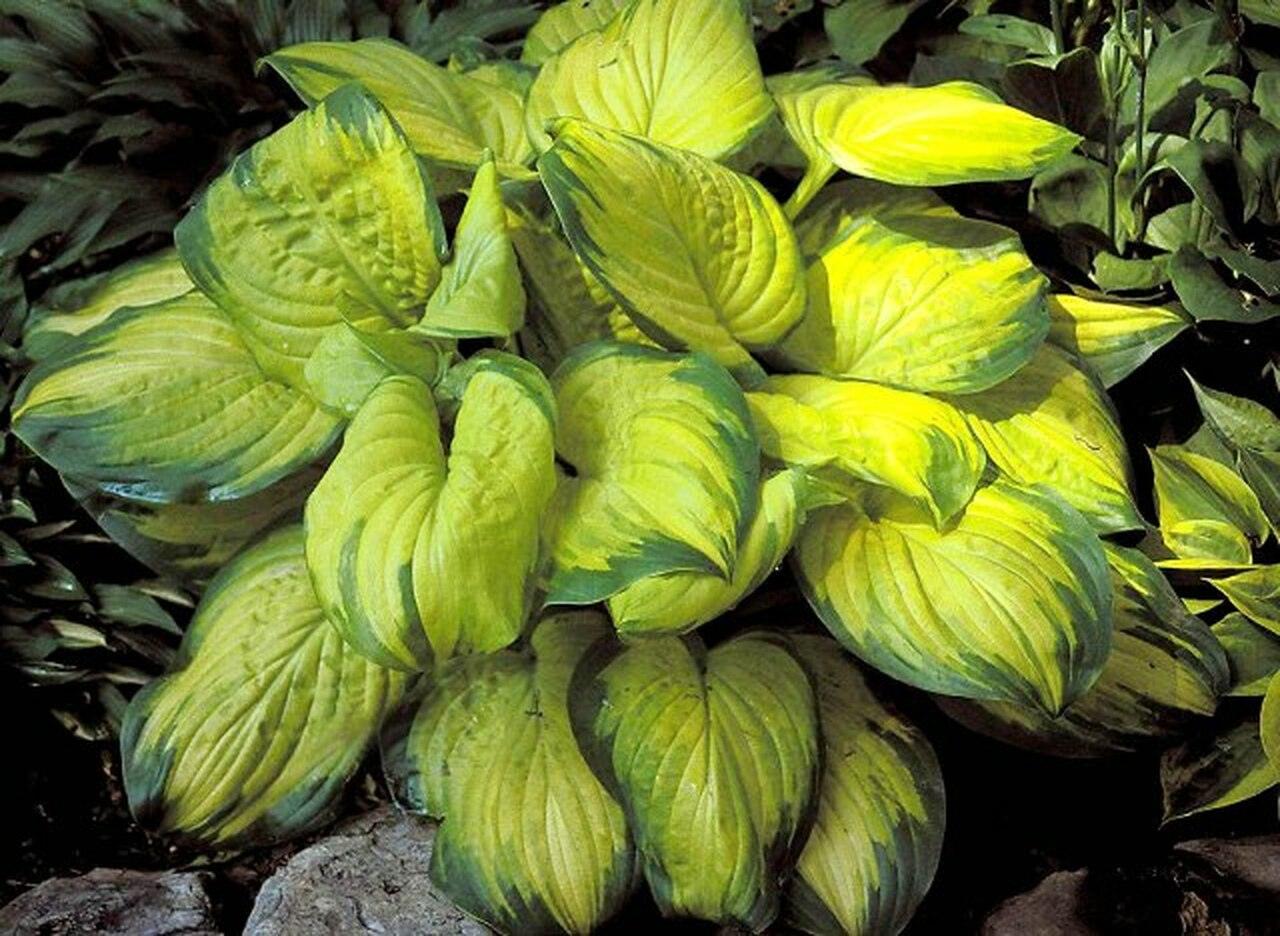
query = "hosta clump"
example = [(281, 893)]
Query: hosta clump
[(483, 485)]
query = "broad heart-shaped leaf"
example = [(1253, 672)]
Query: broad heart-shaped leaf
[(531, 841), (1216, 768), (329, 218), (676, 602), (1011, 602), (1252, 651), (877, 835), (1113, 337), (715, 756), (1165, 671), (83, 304), (1256, 593), (664, 470), (921, 301), (165, 403), (564, 22), (1190, 489), (268, 712), (421, 550), (699, 255), (683, 74), (481, 295), (939, 135), (449, 117), (191, 542), (907, 441), (1050, 423)]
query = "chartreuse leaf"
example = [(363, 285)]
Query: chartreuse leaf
[(664, 464), (683, 74), (449, 117), (676, 602), (877, 835), (1215, 769), (165, 403), (1252, 433), (1256, 593), (348, 363), (267, 714), (329, 218), (564, 22), (1011, 602), (920, 301), (715, 757), (938, 135), (841, 204), (1051, 424), (1269, 724), (419, 549), (141, 282), (907, 441), (1206, 510), (1253, 652), (531, 842), (480, 295), (1114, 337), (1166, 669), (699, 255)]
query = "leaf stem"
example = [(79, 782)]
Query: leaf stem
[(1059, 35)]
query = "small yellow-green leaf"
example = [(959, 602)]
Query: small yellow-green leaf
[(1256, 593), (1010, 602), (481, 295), (266, 715), (531, 842), (1165, 671), (1114, 337), (1252, 651), (349, 362), (1051, 424), (450, 117), (683, 74), (1202, 503), (676, 602), (421, 550), (700, 256), (564, 22), (1269, 724), (715, 756), (165, 403), (912, 443), (1215, 769), (664, 464), (329, 218), (919, 300), (1207, 544)]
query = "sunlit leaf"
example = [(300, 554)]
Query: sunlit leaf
[(1115, 338)]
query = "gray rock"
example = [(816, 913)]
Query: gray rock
[(1054, 907), (368, 876), (1254, 861), (106, 902)]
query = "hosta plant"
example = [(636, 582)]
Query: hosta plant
[(468, 489)]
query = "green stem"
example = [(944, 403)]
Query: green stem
[(1055, 17), (1141, 66)]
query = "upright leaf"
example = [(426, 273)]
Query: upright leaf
[(418, 550), (664, 470), (715, 756), (530, 841), (268, 712), (700, 256), (329, 218), (1193, 489)]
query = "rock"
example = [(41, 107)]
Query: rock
[(369, 875), (107, 902), (1253, 861), (1054, 907)]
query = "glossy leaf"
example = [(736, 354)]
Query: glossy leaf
[(664, 470), (420, 551), (1011, 602), (253, 735), (165, 403), (877, 833), (1115, 338), (683, 74), (700, 256), (1051, 424), (715, 756), (530, 840), (328, 219), (914, 444)]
